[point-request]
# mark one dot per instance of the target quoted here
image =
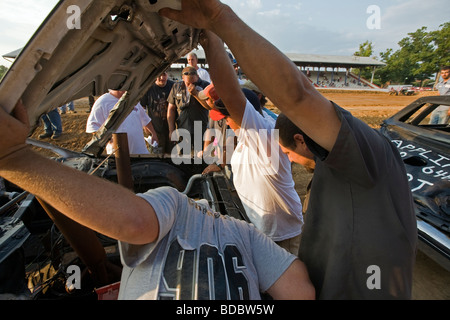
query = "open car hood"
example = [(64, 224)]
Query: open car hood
[(85, 47), (120, 44)]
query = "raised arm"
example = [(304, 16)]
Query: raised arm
[(91, 201), (265, 65), (223, 76)]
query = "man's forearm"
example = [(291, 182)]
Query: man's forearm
[(149, 128), (265, 65), (224, 76), (96, 203), (171, 118)]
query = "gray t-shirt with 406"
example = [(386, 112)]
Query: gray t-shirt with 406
[(199, 255)]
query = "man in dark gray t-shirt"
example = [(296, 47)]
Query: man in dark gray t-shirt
[(359, 238)]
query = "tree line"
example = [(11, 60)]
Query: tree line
[(3, 70), (417, 61)]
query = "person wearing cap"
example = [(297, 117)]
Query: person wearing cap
[(262, 99), (248, 84), (236, 68), (184, 110), (216, 136), (224, 138), (261, 172)]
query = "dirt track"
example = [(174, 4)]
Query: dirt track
[(431, 282), (370, 107)]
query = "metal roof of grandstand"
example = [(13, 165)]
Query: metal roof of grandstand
[(301, 60), (325, 60), (12, 54), (314, 60)]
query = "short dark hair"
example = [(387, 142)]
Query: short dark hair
[(287, 130), (445, 68)]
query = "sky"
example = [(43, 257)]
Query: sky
[(326, 27)]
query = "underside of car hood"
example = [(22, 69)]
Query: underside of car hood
[(122, 45), (85, 47)]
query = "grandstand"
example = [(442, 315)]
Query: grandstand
[(324, 71), (337, 79)]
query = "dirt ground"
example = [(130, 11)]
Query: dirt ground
[(431, 281)]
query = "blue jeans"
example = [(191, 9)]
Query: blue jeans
[(68, 106), (52, 122)]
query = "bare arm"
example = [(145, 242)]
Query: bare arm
[(265, 65), (150, 129), (171, 114), (93, 202), (223, 76), (193, 91), (294, 284)]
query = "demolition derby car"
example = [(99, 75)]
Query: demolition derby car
[(84, 48), (425, 149)]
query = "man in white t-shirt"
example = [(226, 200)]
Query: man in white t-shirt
[(261, 172), (134, 125)]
